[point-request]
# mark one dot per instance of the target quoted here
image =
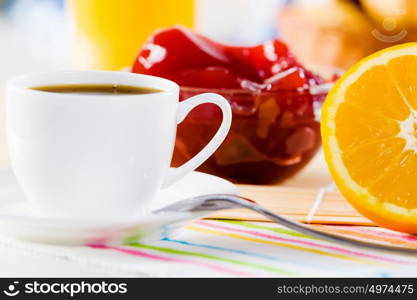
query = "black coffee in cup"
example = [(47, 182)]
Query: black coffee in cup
[(96, 89)]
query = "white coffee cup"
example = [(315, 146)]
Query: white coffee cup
[(95, 156)]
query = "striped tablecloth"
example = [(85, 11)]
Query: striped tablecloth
[(235, 248)]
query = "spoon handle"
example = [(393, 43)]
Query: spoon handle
[(217, 202)]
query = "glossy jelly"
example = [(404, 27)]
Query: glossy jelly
[(275, 128)]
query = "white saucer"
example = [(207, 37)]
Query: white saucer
[(19, 219)]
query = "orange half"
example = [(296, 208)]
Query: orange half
[(369, 131)]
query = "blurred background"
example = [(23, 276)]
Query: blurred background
[(39, 35)]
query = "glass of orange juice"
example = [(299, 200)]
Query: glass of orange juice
[(107, 34)]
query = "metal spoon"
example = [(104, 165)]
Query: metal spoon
[(215, 202)]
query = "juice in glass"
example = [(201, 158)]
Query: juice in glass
[(107, 34)]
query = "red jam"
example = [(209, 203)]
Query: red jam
[(275, 131)]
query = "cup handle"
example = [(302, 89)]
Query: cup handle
[(184, 109)]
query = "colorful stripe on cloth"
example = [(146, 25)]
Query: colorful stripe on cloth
[(237, 248), (374, 234)]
